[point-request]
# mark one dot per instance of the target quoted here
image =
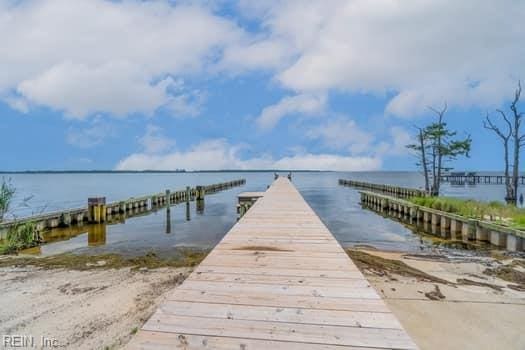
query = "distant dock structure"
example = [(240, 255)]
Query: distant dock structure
[(473, 178)]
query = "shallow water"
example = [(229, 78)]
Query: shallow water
[(338, 207)]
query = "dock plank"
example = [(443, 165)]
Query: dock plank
[(277, 280)]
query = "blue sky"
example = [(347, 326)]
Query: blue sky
[(328, 85)]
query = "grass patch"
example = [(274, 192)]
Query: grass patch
[(497, 212), (19, 236), (182, 258)]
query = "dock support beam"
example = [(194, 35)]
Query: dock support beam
[(168, 199), (482, 234), (97, 209), (498, 238), (515, 244)]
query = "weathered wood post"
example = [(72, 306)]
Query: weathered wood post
[(445, 226), (168, 199), (498, 238), (65, 219), (96, 209), (200, 193), (514, 243), (482, 233), (468, 230), (168, 220), (188, 192)]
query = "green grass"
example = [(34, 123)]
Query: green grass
[(7, 192), (19, 236), (494, 211)]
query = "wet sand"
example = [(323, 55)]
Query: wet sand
[(452, 312)]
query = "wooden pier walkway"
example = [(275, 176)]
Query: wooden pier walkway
[(278, 280)]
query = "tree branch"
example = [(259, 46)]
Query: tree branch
[(488, 124)]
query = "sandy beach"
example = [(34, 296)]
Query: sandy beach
[(99, 308), (457, 305), (443, 303)]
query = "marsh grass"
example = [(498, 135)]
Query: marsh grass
[(19, 236), (7, 191), (494, 211)]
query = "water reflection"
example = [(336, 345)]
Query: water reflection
[(200, 206), (168, 220), (431, 233), (72, 237), (96, 235)]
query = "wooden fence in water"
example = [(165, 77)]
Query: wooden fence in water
[(397, 191), (98, 211)]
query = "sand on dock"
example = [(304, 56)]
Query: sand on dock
[(464, 308), (93, 309)]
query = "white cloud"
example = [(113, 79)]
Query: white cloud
[(154, 140), (117, 88), (469, 53), (88, 56), (342, 134), (399, 139), (327, 162), (267, 54), (186, 104), (218, 154), (90, 136), (345, 134), (305, 104)]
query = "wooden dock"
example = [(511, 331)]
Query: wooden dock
[(277, 280)]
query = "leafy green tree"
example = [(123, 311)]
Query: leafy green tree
[(437, 147)]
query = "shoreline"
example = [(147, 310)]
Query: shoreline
[(101, 301)]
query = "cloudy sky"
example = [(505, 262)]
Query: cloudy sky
[(320, 84)]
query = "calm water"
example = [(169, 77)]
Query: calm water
[(337, 206)]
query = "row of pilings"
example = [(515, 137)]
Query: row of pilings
[(447, 225), (98, 211), (396, 191)]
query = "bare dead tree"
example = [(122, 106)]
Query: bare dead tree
[(505, 139), (420, 151), (518, 138), (511, 135), (439, 133)]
